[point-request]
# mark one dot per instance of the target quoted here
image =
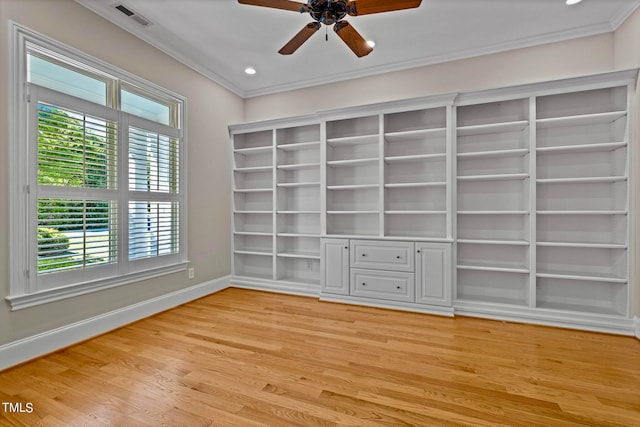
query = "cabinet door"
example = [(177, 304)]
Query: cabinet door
[(433, 274), (334, 266)]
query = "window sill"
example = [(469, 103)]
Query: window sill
[(19, 302)]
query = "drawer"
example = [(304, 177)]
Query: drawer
[(386, 285), (381, 255)]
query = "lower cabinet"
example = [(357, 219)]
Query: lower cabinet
[(433, 273), (409, 272), (334, 266)]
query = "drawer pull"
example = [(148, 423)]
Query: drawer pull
[(364, 284), (398, 257), (418, 251), (364, 254), (346, 247), (398, 287)]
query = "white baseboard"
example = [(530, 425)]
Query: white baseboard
[(389, 305), (637, 322), (20, 351), (280, 286)]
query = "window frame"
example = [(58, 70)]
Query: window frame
[(25, 291)]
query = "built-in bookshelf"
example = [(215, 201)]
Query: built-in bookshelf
[(530, 185), (253, 204), (298, 204), (582, 201), (416, 173), (493, 208), (353, 176)]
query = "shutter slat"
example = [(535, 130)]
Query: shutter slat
[(75, 234)]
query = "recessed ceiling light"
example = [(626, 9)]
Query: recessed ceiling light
[(250, 70), (572, 2), (371, 43)]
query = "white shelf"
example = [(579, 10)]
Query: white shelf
[(254, 169), (583, 119), (583, 212), (352, 162), (351, 212), (351, 187), (299, 166), (298, 184), (494, 153), (581, 148), (415, 158), (253, 252), (495, 242), (355, 140), (297, 212), (494, 267), (252, 212), (582, 245), (503, 127), (300, 255), (415, 135), (413, 212), (297, 235), (495, 177), (493, 212), (253, 150), (583, 180), (594, 277), (416, 184), (299, 146), (252, 233), (253, 190)]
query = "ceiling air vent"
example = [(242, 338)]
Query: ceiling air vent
[(133, 15)]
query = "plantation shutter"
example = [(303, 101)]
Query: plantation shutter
[(154, 200), (76, 197)]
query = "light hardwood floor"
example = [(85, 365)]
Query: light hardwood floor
[(250, 358)]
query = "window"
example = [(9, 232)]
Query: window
[(97, 174)]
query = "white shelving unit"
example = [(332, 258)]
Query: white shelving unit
[(276, 205), (582, 201), (416, 174), (297, 243), (253, 204), (352, 176), (519, 197), (493, 202)]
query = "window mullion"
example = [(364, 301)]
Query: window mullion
[(123, 193)]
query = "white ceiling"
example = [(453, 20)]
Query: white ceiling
[(220, 38)]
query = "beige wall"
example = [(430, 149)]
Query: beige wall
[(627, 55), (210, 109)]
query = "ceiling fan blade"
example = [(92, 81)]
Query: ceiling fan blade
[(277, 4), (300, 38), (366, 7), (352, 38)]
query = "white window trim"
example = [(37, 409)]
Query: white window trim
[(20, 294)]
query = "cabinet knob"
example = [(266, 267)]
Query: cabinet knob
[(418, 251), (346, 247), (398, 287), (364, 284), (398, 257), (364, 254)]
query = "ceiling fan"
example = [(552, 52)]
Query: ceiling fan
[(332, 12)]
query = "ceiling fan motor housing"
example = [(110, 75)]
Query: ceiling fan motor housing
[(328, 12)]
